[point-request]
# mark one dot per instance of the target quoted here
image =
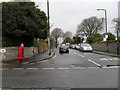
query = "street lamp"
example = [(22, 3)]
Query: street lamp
[(117, 43), (105, 25), (117, 28), (48, 25)]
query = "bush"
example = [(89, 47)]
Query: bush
[(95, 38), (45, 40), (110, 36)]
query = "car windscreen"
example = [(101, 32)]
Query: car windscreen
[(64, 47), (85, 45)]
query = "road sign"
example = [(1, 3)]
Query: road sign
[(2, 50)]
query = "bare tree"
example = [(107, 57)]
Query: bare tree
[(117, 25), (56, 33), (90, 26), (68, 34)]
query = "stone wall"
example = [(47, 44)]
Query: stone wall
[(42, 47), (112, 47), (12, 52)]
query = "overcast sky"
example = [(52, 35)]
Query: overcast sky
[(67, 14)]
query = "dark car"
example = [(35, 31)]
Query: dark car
[(63, 49)]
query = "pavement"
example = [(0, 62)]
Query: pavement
[(107, 53), (39, 57)]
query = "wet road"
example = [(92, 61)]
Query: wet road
[(69, 70)]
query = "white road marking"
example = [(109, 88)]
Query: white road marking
[(79, 67), (33, 68), (48, 68), (17, 68), (108, 59), (112, 67), (81, 55), (86, 53), (92, 67), (71, 65), (94, 62), (63, 68)]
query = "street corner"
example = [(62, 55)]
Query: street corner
[(9, 63), (106, 53), (3, 64)]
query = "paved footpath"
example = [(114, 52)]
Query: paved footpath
[(107, 53), (39, 57)]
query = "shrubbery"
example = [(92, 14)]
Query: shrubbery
[(22, 22), (95, 38), (111, 37), (45, 40)]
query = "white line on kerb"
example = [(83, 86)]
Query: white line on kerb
[(54, 56), (111, 67), (43, 61), (94, 62), (49, 68)]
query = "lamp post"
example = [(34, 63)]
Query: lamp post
[(48, 25), (117, 43), (106, 36)]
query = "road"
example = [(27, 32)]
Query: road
[(74, 70)]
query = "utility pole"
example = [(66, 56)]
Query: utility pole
[(106, 36), (48, 25), (118, 43)]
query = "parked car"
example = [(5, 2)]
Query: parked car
[(72, 46), (85, 47), (68, 45), (77, 47), (63, 49)]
